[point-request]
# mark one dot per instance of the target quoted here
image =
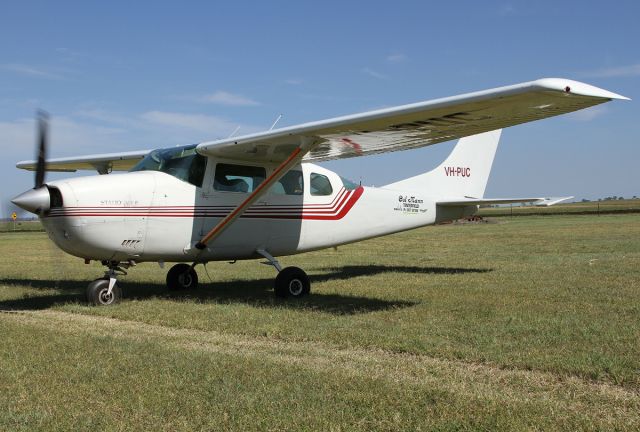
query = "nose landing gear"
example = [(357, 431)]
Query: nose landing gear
[(100, 294), (105, 290)]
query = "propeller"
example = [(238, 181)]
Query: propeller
[(41, 165), (38, 199)]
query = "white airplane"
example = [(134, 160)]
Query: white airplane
[(260, 195)]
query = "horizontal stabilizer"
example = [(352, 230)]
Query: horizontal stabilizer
[(552, 201), (490, 201)]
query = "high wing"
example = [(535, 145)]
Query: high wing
[(103, 163), (415, 125)]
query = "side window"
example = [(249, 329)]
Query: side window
[(290, 184), (238, 178), (320, 185)]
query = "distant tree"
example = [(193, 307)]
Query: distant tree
[(620, 198), (585, 200)]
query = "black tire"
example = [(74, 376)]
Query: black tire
[(292, 282), (181, 277), (97, 293)]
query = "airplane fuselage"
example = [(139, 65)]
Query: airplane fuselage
[(156, 216)]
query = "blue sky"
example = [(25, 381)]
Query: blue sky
[(120, 76)]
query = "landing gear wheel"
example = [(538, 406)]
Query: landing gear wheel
[(292, 282), (98, 293), (182, 277)]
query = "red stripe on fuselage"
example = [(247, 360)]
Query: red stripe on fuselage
[(340, 206)]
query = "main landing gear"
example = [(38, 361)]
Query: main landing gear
[(181, 277), (291, 281)]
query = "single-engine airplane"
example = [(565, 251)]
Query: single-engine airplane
[(261, 195)]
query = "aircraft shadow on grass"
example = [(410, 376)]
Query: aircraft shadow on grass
[(255, 292)]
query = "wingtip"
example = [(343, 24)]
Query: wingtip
[(25, 165), (577, 88)]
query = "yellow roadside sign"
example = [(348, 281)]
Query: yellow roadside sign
[(14, 216)]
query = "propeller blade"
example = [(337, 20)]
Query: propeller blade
[(43, 120)]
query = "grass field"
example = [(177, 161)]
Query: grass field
[(10, 226), (531, 323)]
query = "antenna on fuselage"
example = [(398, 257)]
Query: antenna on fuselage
[(275, 122), (234, 132)]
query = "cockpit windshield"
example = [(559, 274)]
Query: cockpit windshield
[(183, 163)]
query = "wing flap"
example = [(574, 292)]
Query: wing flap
[(416, 125)]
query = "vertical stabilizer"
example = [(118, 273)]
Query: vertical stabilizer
[(463, 174)]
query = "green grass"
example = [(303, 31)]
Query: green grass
[(10, 226), (530, 323)]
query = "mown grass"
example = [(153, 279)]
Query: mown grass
[(20, 225), (530, 323)]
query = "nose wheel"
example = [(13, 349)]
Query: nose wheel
[(105, 291), (99, 294)]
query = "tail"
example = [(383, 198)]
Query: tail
[(464, 174)]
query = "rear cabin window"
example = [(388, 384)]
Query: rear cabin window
[(290, 184), (319, 185), (238, 178)]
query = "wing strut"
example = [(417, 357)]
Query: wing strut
[(293, 159)]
